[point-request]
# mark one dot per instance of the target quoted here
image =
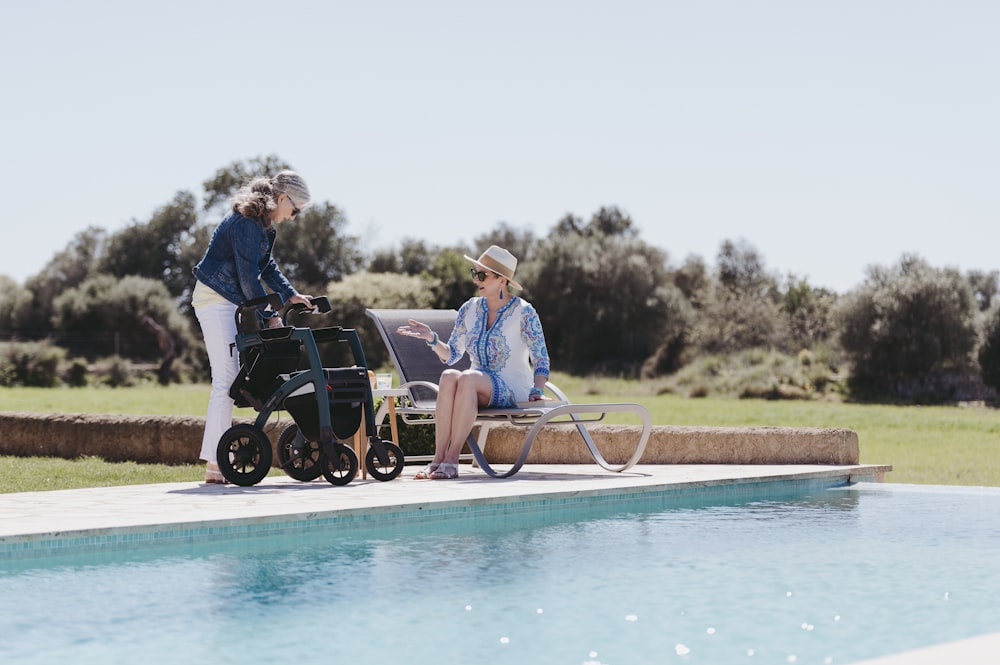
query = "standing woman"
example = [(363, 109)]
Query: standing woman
[(237, 260), (510, 363)]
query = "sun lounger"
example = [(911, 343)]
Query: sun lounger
[(420, 371)]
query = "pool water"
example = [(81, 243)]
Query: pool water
[(834, 576)]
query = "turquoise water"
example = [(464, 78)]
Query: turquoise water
[(833, 576)]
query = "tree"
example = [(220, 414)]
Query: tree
[(611, 222), (14, 299), (450, 276), (604, 298), (221, 186), (740, 268), (416, 257), (985, 287), (519, 242), (444, 268), (313, 249), (104, 316), (809, 312), (154, 249), (906, 329), (362, 290), (692, 279), (738, 309), (66, 270), (728, 321), (989, 351)]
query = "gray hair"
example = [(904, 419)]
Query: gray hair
[(292, 184), (257, 198)]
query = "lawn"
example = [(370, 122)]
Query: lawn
[(948, 445)]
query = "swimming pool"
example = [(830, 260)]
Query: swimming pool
[(829, 576)]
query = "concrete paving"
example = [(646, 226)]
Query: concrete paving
[(29, 516)]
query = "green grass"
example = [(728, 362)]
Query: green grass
[(928, 445), (32, 474), (941, 445), (151, 399)]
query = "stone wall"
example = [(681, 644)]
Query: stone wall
[(145, 439), (177, 440), (681, 445)]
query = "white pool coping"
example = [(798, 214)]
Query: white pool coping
[(53, 514), (980, 650)]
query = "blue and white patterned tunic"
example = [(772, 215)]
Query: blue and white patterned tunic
[(511, 352)]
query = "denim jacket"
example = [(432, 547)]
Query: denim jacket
[(238, 258)]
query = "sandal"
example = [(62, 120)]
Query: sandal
[(214, 476), (445, 471), (425, 473)]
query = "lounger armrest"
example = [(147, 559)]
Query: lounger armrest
[(414, 399), (426, 384), (556, 391)]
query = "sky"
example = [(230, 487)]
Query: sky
[(830, 136)]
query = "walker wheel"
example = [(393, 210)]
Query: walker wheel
[(244, 455), (389, 471), (347, 460), (299, 458)]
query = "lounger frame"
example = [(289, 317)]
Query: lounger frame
[(420, 369)]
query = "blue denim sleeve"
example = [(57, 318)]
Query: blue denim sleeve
[(277, 281), (245, 239), (249, 248)]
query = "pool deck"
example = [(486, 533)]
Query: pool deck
[(980, 650), (30, 517)]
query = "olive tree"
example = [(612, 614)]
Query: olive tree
[(106, 315), (907, 329), (739, 308)]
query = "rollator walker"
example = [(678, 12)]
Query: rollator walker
[(326, 404)]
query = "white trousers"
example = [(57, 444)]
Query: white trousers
[(218, 326)]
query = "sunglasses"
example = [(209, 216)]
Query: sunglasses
[(477, 275), (295, 210)]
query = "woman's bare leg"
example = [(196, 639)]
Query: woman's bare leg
[(472, 390), (447, 387)]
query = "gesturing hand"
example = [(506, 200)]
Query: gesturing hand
[(416, 329)]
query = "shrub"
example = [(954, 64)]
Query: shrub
[(415, 439), (34, 364), (76, 373), (759, 373), (116, 372), (105, 315)]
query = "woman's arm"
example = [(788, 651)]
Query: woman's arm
[(531, 333)]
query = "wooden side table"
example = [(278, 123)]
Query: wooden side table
[(386, 408)]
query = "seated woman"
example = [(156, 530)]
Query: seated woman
[(510, 363)]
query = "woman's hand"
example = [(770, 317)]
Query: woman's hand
[(416, 329), (302, 300)]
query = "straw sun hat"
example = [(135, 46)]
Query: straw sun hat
[(498, 260)]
